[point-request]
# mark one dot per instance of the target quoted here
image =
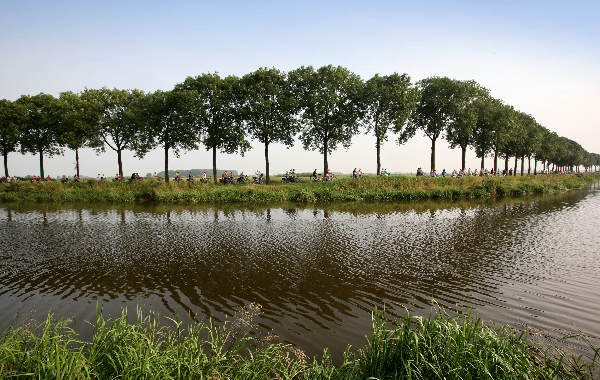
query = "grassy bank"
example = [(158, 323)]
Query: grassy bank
[(394, 188), (457, 347)]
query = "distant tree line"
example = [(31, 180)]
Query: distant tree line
[(325, 108)]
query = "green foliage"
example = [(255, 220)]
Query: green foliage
[(461, 129), (118, 125), (217, 115), (11, 116), (388, 102), (488, 126), (440, 346), (327, 106), (436, 108), (79, 122), (41, 126), (269, 109), (330, 107), (167, 118)]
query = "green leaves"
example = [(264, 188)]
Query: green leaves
[(464, 112), (79, 122), (436, 107), (268, 107), (167, 120), (119, 120), (325, 106), (388, 102), (330, 105), (217, 112), (11, 114), (10, 121), (42, 118)]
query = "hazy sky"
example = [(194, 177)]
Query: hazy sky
[(541, 57)]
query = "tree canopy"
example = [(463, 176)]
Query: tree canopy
[(168, 120), (324, 108), (10, 129), (269, 109), (388, 102), (217, 114), (330, 107), (41, 126)]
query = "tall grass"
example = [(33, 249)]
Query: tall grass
[(441, 346), (370, 188)]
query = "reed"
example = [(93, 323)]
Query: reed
[(369, 188), (441, 346)]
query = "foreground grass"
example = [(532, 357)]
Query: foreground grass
[(457, 347), (371, 188)]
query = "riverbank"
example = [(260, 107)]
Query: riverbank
[(446, 346), (370, 188)]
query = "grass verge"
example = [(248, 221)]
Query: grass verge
[(441, 346), (370, 188)]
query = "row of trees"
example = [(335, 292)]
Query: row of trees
[(325, 108)]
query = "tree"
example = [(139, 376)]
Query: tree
[(168, 120), (546, 147), (118, 126), (460, 130), (524, 144), (10, 120), (79, 124), (532, 141), (502, 124), (269, 109), (41, 126), (330, 107), (217, 114), (435, 109), (388, 102), (484, 127)]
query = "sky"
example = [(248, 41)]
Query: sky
[(542, 57)]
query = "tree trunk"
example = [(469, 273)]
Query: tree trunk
[(528, 165), (378, 146), (535, 166), (77, 162), (166, 163), (267, 162), (482, 162), (515, 172), (325, 164), (522, 164), (42, 163), (495, 162), (432, 154), (120, 161), (214, 149), (6, 164), (463, 157), (506, 165)]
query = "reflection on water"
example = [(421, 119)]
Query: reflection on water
[(316, 271)]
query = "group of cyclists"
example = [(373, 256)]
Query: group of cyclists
[(290, 176), (327, 177), (473, 173)]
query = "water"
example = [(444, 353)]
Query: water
[(317, 272)]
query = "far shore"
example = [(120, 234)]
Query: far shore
[(368, 188)]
